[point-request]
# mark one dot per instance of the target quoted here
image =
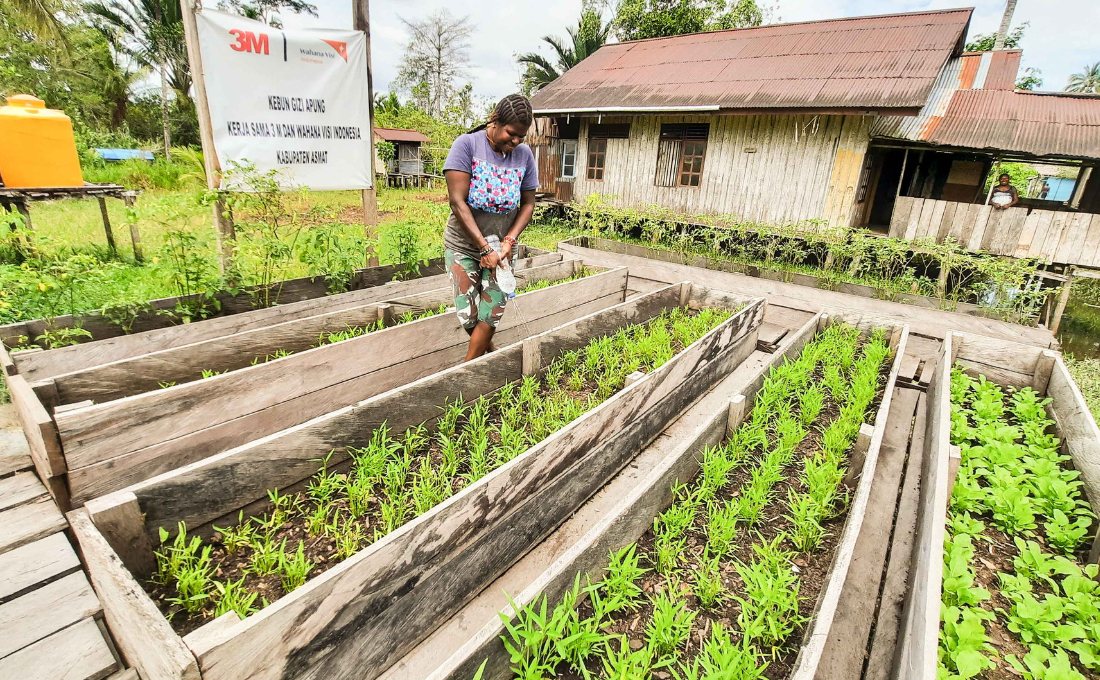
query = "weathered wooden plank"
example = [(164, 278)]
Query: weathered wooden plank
[(119, 519), (1027, 236), (1054, 236), (623, 522), (144, 637), (913, 222), (981, 222), (1079, 432), (107, 430), (947, 219), (928, 209), (1090, 251), (993, 226), (881, 655), (844, 654), (916, 659), (78, 652), (19, 489), (205, 490), (1042, 228), (15, 455), (1008, 355), (932, 228), (819, 631), (85, 355), (35, 563), (29, 522), (39, 428), (909, 366), (1010, 236), (147, 372), (474, 536), (899, 218), (40, 613), (121, 471), (7, 365)]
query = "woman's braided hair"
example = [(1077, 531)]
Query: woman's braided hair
[(513, 109)]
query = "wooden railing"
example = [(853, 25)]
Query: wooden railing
[(1063, 237)]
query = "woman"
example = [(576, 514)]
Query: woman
[(1004, 194), (491, 181)]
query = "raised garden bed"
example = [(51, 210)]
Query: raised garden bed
[(111, 343), (673, 522), (1010, 444), (140, 429), (808, 280), (341, 623)]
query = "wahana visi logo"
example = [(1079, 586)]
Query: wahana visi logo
[(340, 47)]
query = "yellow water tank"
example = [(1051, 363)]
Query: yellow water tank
[(37, 148)]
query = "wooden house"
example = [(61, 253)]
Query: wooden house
[(809, 123), (406, 158)]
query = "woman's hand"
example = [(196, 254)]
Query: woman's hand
[(490, 260)]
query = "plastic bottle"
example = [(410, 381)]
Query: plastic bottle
[(506, 280)]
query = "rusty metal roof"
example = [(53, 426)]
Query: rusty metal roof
[(973, 106), (399, 135), (864, 63)]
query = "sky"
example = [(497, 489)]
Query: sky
[(1062, 37)]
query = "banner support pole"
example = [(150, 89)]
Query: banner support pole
[(223, 220), (360, 16)]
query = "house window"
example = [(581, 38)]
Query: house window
[(681, 152), (568, 158), (597, 155)]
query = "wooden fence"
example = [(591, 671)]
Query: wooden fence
[(1063, 237)]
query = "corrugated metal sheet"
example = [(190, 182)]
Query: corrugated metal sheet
[(888, 61), (398, 135), (992, 116)]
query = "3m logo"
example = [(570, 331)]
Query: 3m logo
[(247, 41)]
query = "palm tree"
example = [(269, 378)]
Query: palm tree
[(1086, 81), (153, 33), (588, 36), (40, 16)]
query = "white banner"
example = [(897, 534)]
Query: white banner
[(292, 101)]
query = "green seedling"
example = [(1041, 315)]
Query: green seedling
[(670, 624), (231, 596), (294, 570)]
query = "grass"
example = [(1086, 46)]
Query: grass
[(1086, 372), (398, 476)]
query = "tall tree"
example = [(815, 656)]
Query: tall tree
[(267, 11), (437, 54), (639, 19), (1088, 80), (1006, 21), (153, 34), (41, 16), (586, 37)]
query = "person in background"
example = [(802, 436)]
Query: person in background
[(1004, 194), (1045, 191), (491, 180)]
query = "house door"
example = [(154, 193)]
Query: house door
[(884, 192)]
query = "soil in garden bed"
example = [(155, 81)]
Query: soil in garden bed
[(399, 476), (774, 525), (995, 553)]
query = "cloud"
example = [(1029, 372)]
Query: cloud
[(1061, 39)]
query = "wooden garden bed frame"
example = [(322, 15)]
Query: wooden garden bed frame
[(1007, 364), (633, 515), (355, 619), (796, 278), (87, 450), (307, 298)]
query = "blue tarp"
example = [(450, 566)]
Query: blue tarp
[(123, 154)]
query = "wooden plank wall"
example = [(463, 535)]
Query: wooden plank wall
[(1064, 237), (789, 177)]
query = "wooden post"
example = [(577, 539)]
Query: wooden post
[(954, 458), (1044, 366), (360, 17), (118, 517), (996, 168), (901, 178), (632, 378), (129, 197), (1063, 299), (385, 313), (941, 283), (223, 221), (532, 356), (859, 454), (107, 226), (736, 415)]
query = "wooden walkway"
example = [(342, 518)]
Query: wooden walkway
[(51, 622)]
